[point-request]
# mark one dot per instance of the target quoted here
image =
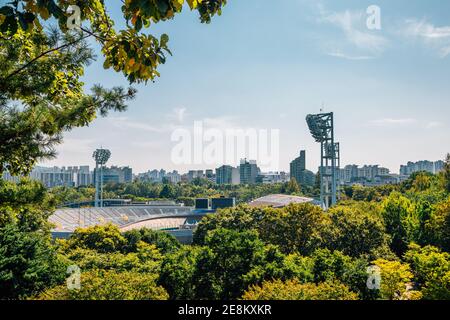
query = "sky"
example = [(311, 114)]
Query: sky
[(266, 64)]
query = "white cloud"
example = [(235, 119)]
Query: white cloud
[(444, 52), (426, 30), (434, 124), (178, 115), (173, 119), (174, 122), (393, 122), (126, 123), (437, 38), (147, 144), (221, 123), (339, 54), (358, 36), (74, 145)]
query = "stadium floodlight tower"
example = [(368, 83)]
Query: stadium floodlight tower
[(322, 130), (101, 156)]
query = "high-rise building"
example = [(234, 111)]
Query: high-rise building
[(369, 172), (195, 174), (235, 176), (160, 176), (439, 166), (249, 171), (274, 177), (83, 176), (56, 177), (298, 167), (348, 173), (227, 175), (425, 165), (299, 172), (116, 174), (127, 174), (224, 175), (173, 177), (366, 175)]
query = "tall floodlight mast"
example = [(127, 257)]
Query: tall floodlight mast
[(322, 130), (101, 156)]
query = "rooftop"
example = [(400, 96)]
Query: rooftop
[(280, 200)]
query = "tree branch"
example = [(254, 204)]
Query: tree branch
[(68, 44)]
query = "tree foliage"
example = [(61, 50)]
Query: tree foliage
[(295, 228), (356, 229), (46, 98), (437, 228), (293, 290), (396, 280), (177, 273), (109, 285), (230, 262), (134, 53), (100, 238), (334, 265), (28, 262), (293, 187), (164, 242), (446, 174), (402, 221), (431, 269), (146, 259)]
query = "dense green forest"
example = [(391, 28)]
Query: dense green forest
[(299, 252)]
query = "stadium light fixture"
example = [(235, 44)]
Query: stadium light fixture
[(101, 156), (321, 127)]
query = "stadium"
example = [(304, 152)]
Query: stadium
[(175, 219)]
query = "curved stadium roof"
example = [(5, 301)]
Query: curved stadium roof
[(280, 200), (67, 220)]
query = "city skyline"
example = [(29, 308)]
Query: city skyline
[(386, 87), (432, 166)]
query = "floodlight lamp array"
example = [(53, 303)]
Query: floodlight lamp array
[(101, 156), (315, 125)]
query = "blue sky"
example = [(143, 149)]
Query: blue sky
[(267, 64)]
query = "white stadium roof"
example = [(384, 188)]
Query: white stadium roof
[(67, 220), (280, 200)]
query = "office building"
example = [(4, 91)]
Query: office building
[(299, 172), (173, 177), (424, 165), (224, 175), (156, 176), (227, 175), (195, 174), (367, 175), (274, 177), (116, 175), (249, 171)]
